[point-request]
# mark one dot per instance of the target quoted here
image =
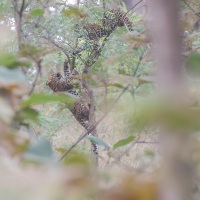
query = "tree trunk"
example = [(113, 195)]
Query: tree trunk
[(175, 146)]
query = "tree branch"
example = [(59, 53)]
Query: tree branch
[(133, 7), (197, 14), (22, 8), (98, 122)]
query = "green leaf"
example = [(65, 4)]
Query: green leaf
[(29, 50), (122, 71), (37, 12), (27, 114), (146, 80), (73, 11), (76, 158), (60, 150), (193, 63), (123, 142), (149, 153), (36, 99), (40, 152), (11, 61), (98, 141)]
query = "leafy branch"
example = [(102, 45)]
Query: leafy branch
[(97, 123)]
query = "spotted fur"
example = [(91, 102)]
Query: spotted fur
[(58, 84), (113, 19), (75, 79), (81, 108), (118, 18), (94, 31), (81, 112)]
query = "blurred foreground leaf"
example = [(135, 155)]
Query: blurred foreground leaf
[(193, 63), (36, 99), (181, 118), (27, 114), (73, 11), (123, 142), (6, 110), (149, 153), (13, 143), (10, 79), (34, 53), (11, 61), (40, 152), (75, 157)]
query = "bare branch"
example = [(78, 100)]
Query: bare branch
[(197, 14), (22, 8), (133, 6), (73, 146), (146, 142), (58, 46), (138, 64)]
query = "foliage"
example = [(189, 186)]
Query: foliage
[(43, 27), (49, 36)]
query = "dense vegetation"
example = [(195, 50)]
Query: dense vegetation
[(44, 147)]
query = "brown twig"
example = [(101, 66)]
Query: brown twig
[(145, 5), (138, 64), (197, 14), (22, 8), (58, 46), (72, 64), (146, 142), (73, 146), (133, 7), (18, 20)]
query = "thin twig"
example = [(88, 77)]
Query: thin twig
[(146, 142), (57, 45), (127, 150), (197, 14), (145, 5), (136, 141), (138, 64), (133, 7), (74, 145), (72, 64)]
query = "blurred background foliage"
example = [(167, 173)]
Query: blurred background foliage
[(37, 127)]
